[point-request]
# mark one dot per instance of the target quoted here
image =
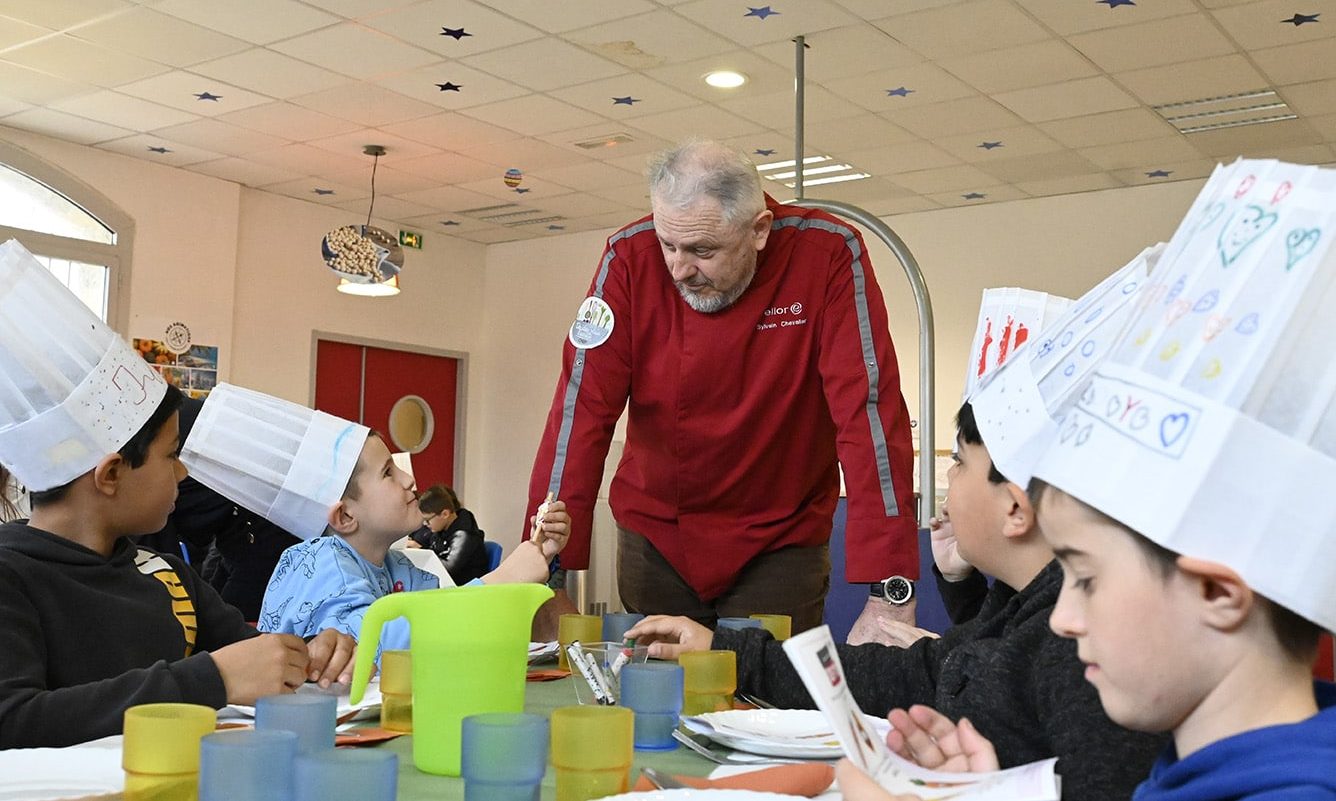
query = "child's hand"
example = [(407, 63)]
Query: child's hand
[(669, 636), (855, 785), (524, 564), (945, 549), (266, 665), (553, 530), (331, 652), (927, 737)]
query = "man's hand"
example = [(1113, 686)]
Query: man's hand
[(266, 665), (667, 637), (552, 530), (927, 737), (855, 785), (902, 635), (331, 653), (867, 628), (945, 550)]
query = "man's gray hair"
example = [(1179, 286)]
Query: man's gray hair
[(696, 169)]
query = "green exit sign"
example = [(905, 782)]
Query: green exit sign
[(410, 239)]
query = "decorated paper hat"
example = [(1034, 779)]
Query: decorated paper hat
[(1008, 318), (285, 462), (71, 391), (1013, 404), (1215, 410)]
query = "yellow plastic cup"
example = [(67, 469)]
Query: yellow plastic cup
[(396, 690), (708, 682), (779, 626), (592, 750), (160, 754), (585, 628)]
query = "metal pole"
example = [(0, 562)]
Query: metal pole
[(799, 83), (577, 587)]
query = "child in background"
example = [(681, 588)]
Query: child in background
[(92, 624), (333, 484), (452, 532)]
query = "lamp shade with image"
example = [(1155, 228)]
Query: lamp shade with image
[(367, 259)]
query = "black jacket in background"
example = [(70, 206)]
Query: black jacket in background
[(460, 547)]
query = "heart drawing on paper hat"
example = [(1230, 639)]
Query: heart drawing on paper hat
[(1242, 231), (1299, 243)]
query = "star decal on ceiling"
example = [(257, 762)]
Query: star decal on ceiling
[(625, 101), (207, 96), (455, 33), (974, 196), (520, 190), (760, 13), (899, 91), (1159, 173), (159, 149), (322, 191), (764, 151), (449, 87), (989, 145), (449, 222), (1116, 3), (556, 228), (1300, 19)]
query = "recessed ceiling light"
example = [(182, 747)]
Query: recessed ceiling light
[(725, 79)]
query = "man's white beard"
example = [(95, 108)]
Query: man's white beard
[(717, 302)]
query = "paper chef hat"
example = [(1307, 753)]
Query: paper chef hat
[(1013, 405), (71, 391), (1215, 410), (1008, 317), (285, 462)]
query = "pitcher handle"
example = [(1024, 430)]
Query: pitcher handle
[(381, 611)]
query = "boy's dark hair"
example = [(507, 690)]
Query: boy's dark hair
[(1298, 636), (436, 499), (134, 451), (351, 492), (968, 431)]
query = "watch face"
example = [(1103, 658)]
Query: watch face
[(898, 589)]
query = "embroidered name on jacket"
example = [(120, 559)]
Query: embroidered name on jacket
[(783, 316), (150, 564)]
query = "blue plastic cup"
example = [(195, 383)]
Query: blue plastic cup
[(615, 625), (738, 623), (654, 692), (247, 765), (310, 716), (504, 757), (347, 774)]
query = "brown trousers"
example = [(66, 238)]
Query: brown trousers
[(790, 581)]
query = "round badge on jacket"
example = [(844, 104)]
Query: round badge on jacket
[(593, 323)]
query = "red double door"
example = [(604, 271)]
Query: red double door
[(364, 383)]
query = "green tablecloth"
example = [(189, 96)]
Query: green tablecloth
[(540, 698)]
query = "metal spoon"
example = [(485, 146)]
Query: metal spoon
[(662, 780)]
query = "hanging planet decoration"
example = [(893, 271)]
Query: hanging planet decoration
[(363, 254), (513, 177)]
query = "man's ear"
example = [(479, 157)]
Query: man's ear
[(1020, 518), (1225, 600), (108, 474), (340, 519), (760, 229)]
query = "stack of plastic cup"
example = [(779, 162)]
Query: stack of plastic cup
[(585, 628), (615, 625), (779, 626), (709, 681), (396, 690), (310, 716), (161, 750), (592, 751), (654, 692), (347, 774), (504, 757), (738, 623), (247, 765)]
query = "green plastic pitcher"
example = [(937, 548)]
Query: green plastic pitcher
[(470, 649)]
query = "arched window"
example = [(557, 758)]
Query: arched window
[(79, 234)]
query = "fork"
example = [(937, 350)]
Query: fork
[(720, 757)]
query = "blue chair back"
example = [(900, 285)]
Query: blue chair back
[(493, 555)]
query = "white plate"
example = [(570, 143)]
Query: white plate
[(368, 709), (92, 768), (687, 795), (799, 733)]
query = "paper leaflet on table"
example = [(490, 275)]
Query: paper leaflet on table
[(817, 662), (1215, 410)]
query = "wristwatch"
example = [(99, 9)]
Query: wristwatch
[(896, 590)]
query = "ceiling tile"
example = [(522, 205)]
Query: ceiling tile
[(1166, 41), (647, 95), (31, 86), (944, 179), (1178, 171), (1067, 17), (925, 83), (422, 25), (115, 108), (304, 189), (160, 37), (763, 76), (905, 157), (385, 208), (1010, 143), (446, 168), (178, 89), (991, 194), (793, 19), (270, 73), (904, 205), (1255, 141), (356, 9), (256, 21), (632, 196), (1208, 77), (301, 158), (288, 121), (244, 172), (776, 110), (1259, 25), (842, 53), (530, 64), (65, 126), (1044, 166), (581, 204), (1317, 97), (704, 120), (8, 106), (966, 115), (538, 190), (1325, 125), (1111, 127), (600, 222), (852, 133), (1069, 185), (1298, 63), (853, 192), (650, 40), (876, 9), (67, 57), (569, 15), (964, 28), (525, 154), (365, 103), (178, 155), (781, 142), (474, 88), (492, 236), (451, 199), (590, 174), (1019, 67), (220, 137), (1148, 154), (13, 32), (1071, 99), (533, 114), (60, 15), (396, 148), (633, 152), (434, 223), (350, 49), (450, 131), (1305, 154)]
